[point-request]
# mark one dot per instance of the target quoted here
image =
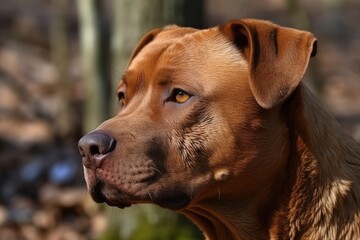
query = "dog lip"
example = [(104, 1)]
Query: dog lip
[(86, 162), (96, 192), (121, 205), (99, 197)]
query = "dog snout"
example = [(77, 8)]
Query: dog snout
[(94, 147)]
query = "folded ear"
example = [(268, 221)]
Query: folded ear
[(277, 56), (145, 40)]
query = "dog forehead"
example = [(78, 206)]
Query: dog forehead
[(206, 55), (152, 51)]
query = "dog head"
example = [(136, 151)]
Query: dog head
[(198, 115)]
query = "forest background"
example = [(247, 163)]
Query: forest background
[(60, 62)]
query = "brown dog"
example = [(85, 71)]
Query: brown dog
[(216, 125)]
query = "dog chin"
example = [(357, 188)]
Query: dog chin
[(100, 194), (173, 203), (118, 204), (99, 197), (175, 199)]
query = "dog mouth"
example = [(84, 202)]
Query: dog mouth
[(96, 193), (174, 199), (100, 194)]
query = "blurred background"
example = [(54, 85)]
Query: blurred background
[(60, 61)]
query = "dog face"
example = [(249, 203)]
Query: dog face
[(195, 116)]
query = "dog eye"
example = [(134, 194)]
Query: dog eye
[(180, 96), (121, 97)]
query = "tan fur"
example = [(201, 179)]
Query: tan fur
[(251, 155)]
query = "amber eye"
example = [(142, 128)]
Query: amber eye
[(180, 96)]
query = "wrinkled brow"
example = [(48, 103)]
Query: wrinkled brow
[(133, 79), (164, 76), (122, 81), (130, 77), (125, 78)]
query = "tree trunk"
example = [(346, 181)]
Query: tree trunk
[(59, 56), (94, 109)]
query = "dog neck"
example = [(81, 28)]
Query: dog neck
[(326, 163), (232, 218), (305, 194), (238, 217)]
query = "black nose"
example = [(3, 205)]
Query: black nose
[(94, 146)]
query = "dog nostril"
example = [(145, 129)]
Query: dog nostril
[(94, 150)]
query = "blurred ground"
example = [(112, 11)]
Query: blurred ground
[(42, 194)]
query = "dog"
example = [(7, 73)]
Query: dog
[(216, 125)]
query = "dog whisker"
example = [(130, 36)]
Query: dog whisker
[(149, 194), (157, 170), (189, 192), (82, 180), (219, 192)]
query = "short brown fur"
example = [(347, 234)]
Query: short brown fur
[(250, 155)]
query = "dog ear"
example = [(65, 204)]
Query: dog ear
[(277, 56), (145, 40)]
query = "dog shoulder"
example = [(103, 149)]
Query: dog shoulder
[(325, 200)]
